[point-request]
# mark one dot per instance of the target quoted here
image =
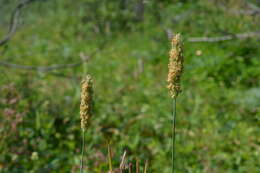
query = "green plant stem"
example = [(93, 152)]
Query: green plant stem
[(173, 132), (82, 151), (109, 158), (146, 166)]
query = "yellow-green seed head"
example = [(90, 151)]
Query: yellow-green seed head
[(175, 66), (86, 101)]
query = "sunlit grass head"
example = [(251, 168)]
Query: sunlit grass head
[(175, 66), (86, 104)]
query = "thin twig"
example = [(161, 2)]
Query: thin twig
[(247, 9), (246, 12), (245, 35), (225, 37), (14, 21), (253, 7), (45, 68), (82, 151), (84, 58), (40, 68)]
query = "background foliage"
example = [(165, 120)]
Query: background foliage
[(218, 111)]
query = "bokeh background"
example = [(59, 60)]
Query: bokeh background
[(124, 45)]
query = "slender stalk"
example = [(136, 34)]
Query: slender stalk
[(82, 151), (109, 158), (146, 166), (122, 164), (137, 166), (173, 132)]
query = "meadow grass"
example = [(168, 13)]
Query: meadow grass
[(219, 108)]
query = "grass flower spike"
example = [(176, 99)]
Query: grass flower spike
[(86, 101), (86, 105), (174, 78), (175, 66)]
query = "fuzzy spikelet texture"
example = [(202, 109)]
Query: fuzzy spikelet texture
[(175, 66), (86, 101)]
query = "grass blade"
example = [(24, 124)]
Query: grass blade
[(146, 166), (137, 167), (109, 158), (122, 164)]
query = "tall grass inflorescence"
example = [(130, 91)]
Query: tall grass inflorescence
[(174, 77), (85, 110)]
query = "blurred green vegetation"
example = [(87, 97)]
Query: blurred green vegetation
[(218, 110)]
